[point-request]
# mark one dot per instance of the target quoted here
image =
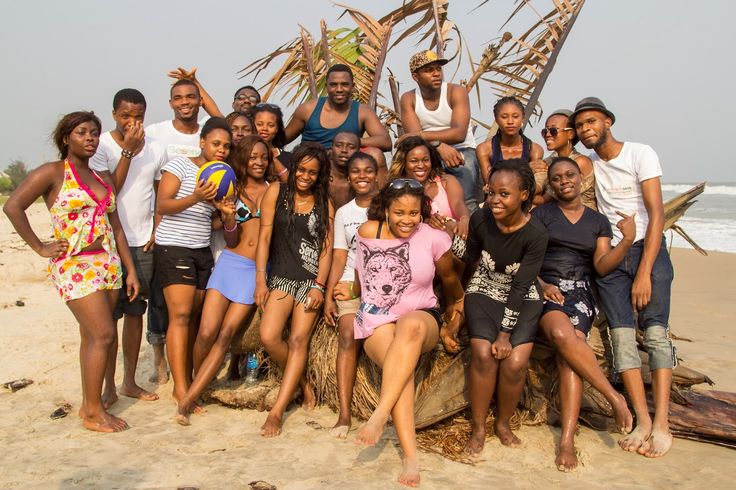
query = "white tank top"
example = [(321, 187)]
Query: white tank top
[(440, 118)]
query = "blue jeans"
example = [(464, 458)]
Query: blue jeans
[(469, 177), (615, 297)]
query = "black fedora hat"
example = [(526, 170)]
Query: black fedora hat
[(592, 104)]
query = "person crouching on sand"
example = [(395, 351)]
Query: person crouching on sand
[(396, 260), (86, 253)]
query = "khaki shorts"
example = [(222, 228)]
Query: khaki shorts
[(349, 307)]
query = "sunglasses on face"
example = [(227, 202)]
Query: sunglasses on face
[(553, 131), (398, 184), (250, 98)]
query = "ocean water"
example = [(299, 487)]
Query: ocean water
[(711, 221)]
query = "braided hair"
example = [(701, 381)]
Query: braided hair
[(507, 100), (526, 178), (307, 151)]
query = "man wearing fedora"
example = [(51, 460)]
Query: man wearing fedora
[(439, 112), (637, 292)]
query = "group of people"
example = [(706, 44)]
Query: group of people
[(493, 243)]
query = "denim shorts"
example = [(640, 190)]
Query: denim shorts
[(615, 291), (615, 297), (469, 177), (144, 270), (181, 265)]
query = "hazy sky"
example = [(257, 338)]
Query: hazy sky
[(658, 65)]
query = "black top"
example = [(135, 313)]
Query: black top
[(294, 252), (571, 246), (286, 160), (508, 263), (497, 156)]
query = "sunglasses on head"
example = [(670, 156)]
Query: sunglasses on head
[(266, 104), (399, 184), (553, 131)]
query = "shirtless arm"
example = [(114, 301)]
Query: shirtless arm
[(299, 120), (377, 133), (641, 289), (268, 211), (483, 154)]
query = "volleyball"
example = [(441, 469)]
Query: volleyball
[(221, 174)]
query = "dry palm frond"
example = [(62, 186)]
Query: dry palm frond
[(523, 68)]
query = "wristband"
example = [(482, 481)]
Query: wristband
[(285, 170), (317, 287), (126, 154), (230, 230), (319, 284)]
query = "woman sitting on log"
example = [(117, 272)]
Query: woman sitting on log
[(341, 301), (579, 245), (296, 238), (416, 159), (503, 301), (396, 260)]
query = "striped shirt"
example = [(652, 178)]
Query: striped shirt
[(192, 227)]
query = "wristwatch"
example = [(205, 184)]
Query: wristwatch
[(435, 143)]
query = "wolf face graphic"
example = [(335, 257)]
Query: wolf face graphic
[(386, 276)]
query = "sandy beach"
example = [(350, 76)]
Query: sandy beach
[(223, 449)]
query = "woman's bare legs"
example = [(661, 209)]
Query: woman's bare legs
[(209, 366), (511, 378), (571, 345), (571, 393), (97, 332), (482, 377), (214, 310), (183, 303), (413, 334), (291, 356), (347, 366)]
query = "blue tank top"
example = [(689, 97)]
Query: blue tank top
[(314, 131), (497, 156)]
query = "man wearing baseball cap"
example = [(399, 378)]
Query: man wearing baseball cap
[(439, 112), (637, 292)]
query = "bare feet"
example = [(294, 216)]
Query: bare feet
[(409, 473), (182, 414), (136, 391), (233, 370), (160, 366), (272, 426), (103, 422), (370, 433), (658, 444), (109, 398), (341, 428), (624, 419), (504, 434), (636, 438), (567, 458), (475, 443)]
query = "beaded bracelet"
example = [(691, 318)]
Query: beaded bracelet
[(126, 153), (229, 230), (317, 287)]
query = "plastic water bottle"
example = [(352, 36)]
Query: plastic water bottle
[(251, 369)]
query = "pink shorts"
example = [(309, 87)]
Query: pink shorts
[(80, 275)]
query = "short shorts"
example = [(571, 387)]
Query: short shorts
[(483, 317), (144, 270), (347, 307), (181, 265), (579, 304)]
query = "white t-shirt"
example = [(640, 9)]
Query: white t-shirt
[(347, 221), (192, 227), (136, 198), (175, 143), (618, 185)]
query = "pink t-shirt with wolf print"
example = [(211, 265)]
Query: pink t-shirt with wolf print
[(396, 276)]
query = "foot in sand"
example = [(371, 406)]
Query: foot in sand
[(182, 414), (409, 473), (109, 397), (135, 391), (272, 426), (104, 422), (504, 434), (658, 444), (567, 458), (624, 419), (475, 443), (160, 375), (370, 433), (341, 427), (636, 438)]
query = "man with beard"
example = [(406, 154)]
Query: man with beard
[(439, 112), (637, 292), (320, 120)]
